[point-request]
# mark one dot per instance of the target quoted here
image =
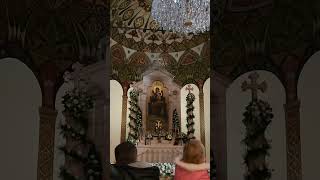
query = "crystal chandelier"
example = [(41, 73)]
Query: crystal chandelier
[(182, 16)]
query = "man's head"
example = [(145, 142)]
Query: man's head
[(125, 153)]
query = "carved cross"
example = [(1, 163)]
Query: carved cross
[(189, 88), (254, 86)]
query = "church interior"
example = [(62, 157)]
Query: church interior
[(78, 78)]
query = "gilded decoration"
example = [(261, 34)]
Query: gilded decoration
[(133, 27)]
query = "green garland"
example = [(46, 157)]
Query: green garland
[(135, 117), (190, 116), (175, 120), (257, 118), (77, 104)]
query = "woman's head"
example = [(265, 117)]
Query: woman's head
[(194, 152)]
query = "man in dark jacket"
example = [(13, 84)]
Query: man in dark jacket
[(128, 168)]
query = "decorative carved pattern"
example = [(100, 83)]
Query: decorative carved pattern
[(294, 169), (46, 143), (202, 122), (189, 57)]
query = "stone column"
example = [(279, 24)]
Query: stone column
[(202, 121), (124, 112), (46, 143), (218, 140), (48, 114), (292, 111)]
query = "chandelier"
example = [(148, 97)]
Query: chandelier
[(182, 16)]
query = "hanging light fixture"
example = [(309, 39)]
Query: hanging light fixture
[(182, 16)]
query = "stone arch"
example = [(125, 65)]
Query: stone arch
[(308, 92), (139, 59), (118, 54), (21, 97), (167, 59), (236, 101), (115, 116), (188, 57), (254, 63), (183, 95)]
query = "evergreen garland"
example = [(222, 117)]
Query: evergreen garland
[(135, 117), (175, 120), (77, 104), (190, 116), (257, 118)]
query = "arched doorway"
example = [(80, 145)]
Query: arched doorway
[(308, 92), (237, 100), (21, 97)]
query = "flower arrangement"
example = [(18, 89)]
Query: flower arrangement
[(77, 102), (166, 169), (169, 137)]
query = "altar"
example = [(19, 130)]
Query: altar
[(159, 153), (159, 100)]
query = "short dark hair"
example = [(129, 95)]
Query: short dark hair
[(125, 153)]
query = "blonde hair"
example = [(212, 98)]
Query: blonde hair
[(193, 152)]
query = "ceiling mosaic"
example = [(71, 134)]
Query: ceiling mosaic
[(133, 27), (189, 66)]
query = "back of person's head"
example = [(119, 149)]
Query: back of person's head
[(193, 152), (125, 153)]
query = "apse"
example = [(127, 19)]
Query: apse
[(19, 126), (308, 93), (237, 100)]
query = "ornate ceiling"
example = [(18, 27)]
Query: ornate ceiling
[(137, 41), (270, 35), (57, 31), (133, 27)]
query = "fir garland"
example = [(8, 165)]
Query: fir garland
[(190, 116), (135, 117), (257, 118), (175, 120), (77, 104)]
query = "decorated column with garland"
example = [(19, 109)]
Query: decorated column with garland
[(175, 121), (190, 116), (135, 116), (257, 118), (82, 159)]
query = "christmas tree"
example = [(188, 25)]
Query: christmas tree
[(175, 121), (135, 117), (190, 116)]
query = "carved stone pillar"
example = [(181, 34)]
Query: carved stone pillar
[(46, 143), (218, 140), (124, 112), (292, 111), (48, 114), (202, 122)]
